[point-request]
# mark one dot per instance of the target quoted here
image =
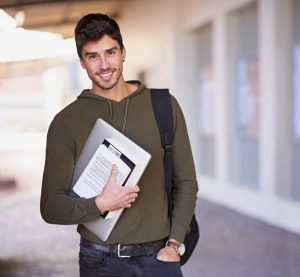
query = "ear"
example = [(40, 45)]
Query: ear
[(82, 63), (123, 54)]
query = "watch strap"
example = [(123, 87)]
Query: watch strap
[(173, 245)]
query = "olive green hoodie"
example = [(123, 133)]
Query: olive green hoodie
[(147, 219)]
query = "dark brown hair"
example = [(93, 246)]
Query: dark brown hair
[(93, 27)]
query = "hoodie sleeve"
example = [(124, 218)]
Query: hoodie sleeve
[(184, 177), (57, 207)]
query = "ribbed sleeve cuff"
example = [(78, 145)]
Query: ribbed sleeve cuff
[(91, 207), (178, 233)]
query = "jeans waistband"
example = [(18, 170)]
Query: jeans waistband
[(127, 250)]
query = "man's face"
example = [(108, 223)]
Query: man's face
[(103, 61)]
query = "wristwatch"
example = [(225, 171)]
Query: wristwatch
[(179, 248)]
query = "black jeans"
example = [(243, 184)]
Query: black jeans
[(94, 263)]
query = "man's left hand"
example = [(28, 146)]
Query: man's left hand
[(168, 254)]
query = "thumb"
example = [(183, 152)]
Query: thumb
[(113, 175)]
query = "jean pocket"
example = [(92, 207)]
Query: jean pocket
[(91, 258), (154, 256)]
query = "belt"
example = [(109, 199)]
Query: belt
[(127, 250)]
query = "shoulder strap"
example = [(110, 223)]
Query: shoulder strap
[(162, 108)]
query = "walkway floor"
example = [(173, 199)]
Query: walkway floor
[(231, 244)]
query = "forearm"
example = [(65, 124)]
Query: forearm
[(184, 201), (62, 209)]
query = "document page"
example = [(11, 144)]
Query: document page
[(97, 172)]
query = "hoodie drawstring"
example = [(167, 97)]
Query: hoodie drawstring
[(125, 114), (110, 112)]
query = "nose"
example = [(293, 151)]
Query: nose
[(104, 64)]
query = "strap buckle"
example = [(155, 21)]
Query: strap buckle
[(121, 256)]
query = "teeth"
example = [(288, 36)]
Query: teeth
[(106, 75)]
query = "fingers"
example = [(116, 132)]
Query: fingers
[(129, 199), (113, 174), (130, 196), (134, 189), (133, 195)]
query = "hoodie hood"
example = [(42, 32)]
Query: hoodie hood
[(88, 95)]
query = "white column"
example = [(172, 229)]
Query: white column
[(219, 65)]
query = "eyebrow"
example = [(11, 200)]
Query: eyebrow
[(110, 49), (90, 53), (95, 53)]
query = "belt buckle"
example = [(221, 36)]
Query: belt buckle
[(121, 256)]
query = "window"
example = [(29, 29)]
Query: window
[(243, 96), (205, 96)]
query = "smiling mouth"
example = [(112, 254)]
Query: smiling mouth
[(106, 74)]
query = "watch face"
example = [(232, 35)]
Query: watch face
[(181, 249)]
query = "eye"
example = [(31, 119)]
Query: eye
[(92, 57), (111, 52)]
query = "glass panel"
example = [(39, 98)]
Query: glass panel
[(206, 91), (247, 97), (244, 102)]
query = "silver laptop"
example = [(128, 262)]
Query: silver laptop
[(103, 132)]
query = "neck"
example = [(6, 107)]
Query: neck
[(117, 93)]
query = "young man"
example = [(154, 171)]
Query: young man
[(144, 230)]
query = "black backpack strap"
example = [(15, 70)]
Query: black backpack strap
[(161, 103)]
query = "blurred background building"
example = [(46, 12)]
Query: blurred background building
[(233, 65)]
